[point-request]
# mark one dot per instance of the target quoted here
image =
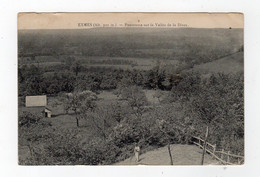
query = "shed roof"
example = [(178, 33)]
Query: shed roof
[(47, 109), (35, 101)]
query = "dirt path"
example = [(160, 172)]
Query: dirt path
[(181, 154)]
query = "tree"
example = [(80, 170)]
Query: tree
[(133, 126), (119, 111), (216, 102), (68, 62), (76, 67), (29, 127), (31, 81), (79, 103), (101, 119), (136, 99)]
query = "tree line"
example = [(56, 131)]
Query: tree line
[(34, 80)]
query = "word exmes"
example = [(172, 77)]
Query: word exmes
[(89, 25)]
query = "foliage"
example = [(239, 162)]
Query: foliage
[(76, 67), (101, 119), (217, 102), (33, 82), (27, 119), (32, 128), (78, 102), (136, 99)]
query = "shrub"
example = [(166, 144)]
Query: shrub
[(28, 119)]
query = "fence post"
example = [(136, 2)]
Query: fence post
[(238, 159), (204, 147), (222, 155), (170, 154), (228, 158), (214, 148)]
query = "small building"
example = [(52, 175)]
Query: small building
[(41, 111), (37, 104), (47, 112), (36, 101)]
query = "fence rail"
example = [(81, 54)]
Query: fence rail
[(200, 139), (233, 155), (213, 152)]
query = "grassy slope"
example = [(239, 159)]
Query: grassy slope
[(228, 64), (182, 155)]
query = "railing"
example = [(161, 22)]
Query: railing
[(225, 157)]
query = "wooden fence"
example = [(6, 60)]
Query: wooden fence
[(225, 158)]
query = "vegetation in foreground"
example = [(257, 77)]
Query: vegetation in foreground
[(186, 110)]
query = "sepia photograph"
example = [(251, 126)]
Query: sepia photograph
[(130, 89)]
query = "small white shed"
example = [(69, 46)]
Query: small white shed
[(35, 101), (47, 112)]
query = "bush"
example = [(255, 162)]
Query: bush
[(27, 119)]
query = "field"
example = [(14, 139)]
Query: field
[(229, 64), (169, 44)]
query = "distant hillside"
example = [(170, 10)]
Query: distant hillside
[(230, 64), (163, 43)]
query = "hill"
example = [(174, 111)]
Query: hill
[(230, 64)]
